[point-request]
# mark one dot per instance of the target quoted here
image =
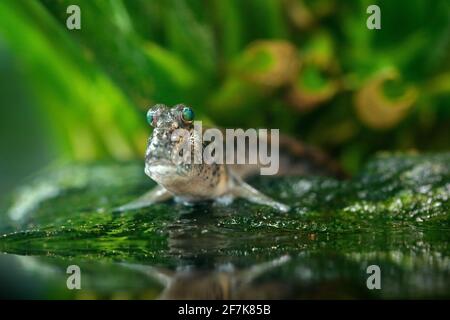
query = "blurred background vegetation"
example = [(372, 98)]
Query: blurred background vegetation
[(311, 68)]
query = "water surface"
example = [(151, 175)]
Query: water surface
[(395, 215)]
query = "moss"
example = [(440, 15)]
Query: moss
[(395, 213)]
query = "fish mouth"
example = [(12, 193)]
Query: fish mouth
[(159, 162), (159, 169)]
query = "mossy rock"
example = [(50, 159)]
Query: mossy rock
[(394, 214)]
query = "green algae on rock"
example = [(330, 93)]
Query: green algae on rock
[(395, 213)]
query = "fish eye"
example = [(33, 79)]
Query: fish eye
[(151, 118), (187, 115)]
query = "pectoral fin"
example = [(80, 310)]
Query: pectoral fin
[(157, 194), (246, 191)]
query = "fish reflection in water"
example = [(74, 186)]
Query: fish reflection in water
[(224, 282), (287, 277)]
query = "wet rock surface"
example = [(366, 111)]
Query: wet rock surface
[(394, 214)]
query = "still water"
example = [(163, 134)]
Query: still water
[(394, 215)]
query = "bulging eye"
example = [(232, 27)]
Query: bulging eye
[(151, 118), (187, 115)]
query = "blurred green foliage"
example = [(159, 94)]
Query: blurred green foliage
[(311, 68)]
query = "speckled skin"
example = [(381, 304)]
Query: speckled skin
[(187, 181)]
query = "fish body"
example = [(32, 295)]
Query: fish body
[(169, 163)]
